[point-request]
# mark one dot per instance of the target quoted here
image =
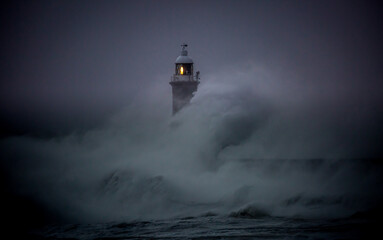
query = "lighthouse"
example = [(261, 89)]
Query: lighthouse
[(184, 83)]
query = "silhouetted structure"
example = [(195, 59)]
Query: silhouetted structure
[(184, 83)]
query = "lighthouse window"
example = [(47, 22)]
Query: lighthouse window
[(184, 69)]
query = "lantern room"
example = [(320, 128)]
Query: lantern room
[(184, 64)]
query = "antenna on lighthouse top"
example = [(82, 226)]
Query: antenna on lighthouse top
[(184, 46), (183, 51)]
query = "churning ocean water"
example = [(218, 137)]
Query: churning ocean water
[(244, 226), (227, 167), (353, 213)]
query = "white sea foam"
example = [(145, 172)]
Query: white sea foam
[(220, 154)]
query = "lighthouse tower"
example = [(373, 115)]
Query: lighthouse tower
[(184, 83)]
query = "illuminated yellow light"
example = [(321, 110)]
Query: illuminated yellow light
[(182, 70)]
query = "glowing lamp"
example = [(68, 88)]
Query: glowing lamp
[(182, 70)]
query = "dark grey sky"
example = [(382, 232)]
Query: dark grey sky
[(71, 64)]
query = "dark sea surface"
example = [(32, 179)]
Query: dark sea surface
[(358, 226)]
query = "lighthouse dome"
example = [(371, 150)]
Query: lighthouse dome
[(183, 58)]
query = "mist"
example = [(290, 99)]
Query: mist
[(247, 140)]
